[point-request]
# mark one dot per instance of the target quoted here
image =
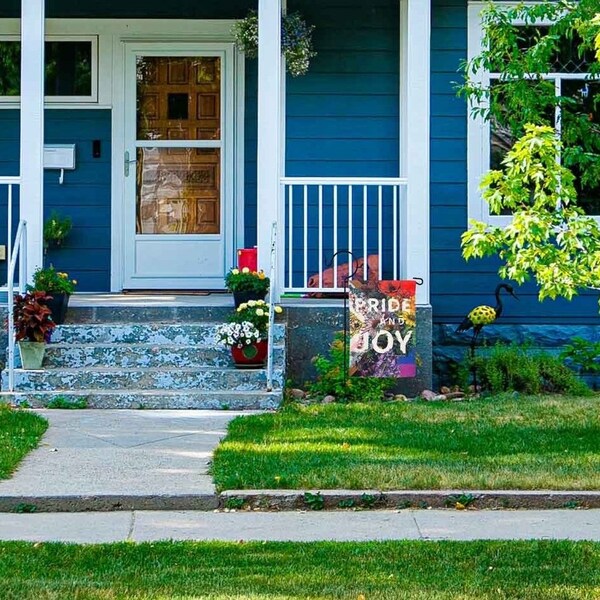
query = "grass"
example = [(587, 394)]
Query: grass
[(496, 443), (278, 571), (20, 432)]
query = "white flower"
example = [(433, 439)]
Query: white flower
[(260, 312)]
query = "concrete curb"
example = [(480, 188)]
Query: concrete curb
[(290, 500), (108, 503), (481, 499)]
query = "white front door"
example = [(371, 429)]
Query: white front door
[(178, 166)]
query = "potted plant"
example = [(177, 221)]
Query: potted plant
[(247, 285), (56, 230), (296, 40), (58, 287), (33, 327), (247, 334)]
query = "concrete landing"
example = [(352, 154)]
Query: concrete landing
[(115, 455), (302, 527)]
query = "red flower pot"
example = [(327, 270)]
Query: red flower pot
[(252, 356)]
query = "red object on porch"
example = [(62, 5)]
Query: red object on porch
[(248, 257)]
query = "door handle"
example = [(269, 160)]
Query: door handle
[(128, 161)]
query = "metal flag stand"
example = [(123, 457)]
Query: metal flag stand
[(345, 281)]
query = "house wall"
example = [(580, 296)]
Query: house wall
[(458, 286), (84, 196), (342, 117)]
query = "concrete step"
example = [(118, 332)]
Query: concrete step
[(154, 399), (198, 334), (63, 355), (97, 378)]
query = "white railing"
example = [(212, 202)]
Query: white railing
[(327, 217), (14, 248), (272, 276), (17, 251)]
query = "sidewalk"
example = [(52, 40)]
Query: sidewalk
[(302, 526), (103, 459)]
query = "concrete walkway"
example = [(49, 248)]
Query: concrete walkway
[(302, 526), (111, 456)]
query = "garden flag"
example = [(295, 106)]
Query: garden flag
[(382, 329)]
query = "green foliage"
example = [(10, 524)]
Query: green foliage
[(516, 368), (460, 501), (52, 281), (32, 317), (23, 508), (56, 229), (347, 503), (246, 280), (62, 402), (368, 500), (550, 239), (314, 501), (582, 355), (235, 503), (296, 40), (330, 379)]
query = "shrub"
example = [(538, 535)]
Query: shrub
[(52, 281), (516, 368), (330, 380), (245, 280), (32, 318), (582, 355)]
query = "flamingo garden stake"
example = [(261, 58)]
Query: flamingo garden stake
[(481, 316)]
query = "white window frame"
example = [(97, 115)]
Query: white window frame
[(479, 130), (13, 101)]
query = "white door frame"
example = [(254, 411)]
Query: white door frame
[(233, 158)]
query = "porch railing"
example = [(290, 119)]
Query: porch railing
[(326, 216), (16, 252)]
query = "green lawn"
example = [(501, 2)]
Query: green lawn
[(509, 443), (20, 432), (275, 571)]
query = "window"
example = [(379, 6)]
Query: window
[(564, 95), (70, 69)]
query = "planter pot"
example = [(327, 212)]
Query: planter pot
[(242, 297), (58, 305), (252, 356), (32, 354)]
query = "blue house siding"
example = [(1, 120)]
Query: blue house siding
[(477, 279), (342, 117), (84, 196)]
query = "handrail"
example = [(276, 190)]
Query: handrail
[(272, 274), (344, 180), (20, 245)]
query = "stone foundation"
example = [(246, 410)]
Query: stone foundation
[(312, 329)]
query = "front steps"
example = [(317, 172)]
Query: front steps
[(133, 364)]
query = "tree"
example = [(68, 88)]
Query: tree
[(546, 145)]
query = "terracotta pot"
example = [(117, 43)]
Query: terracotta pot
[(32, 354), (58, 305), (252, 356), (242, 297)]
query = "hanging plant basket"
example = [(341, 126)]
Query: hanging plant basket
[(296, 40)]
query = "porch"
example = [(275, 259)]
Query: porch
[(377, 215)]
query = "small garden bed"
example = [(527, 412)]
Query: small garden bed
[(512, 442), (285, 571), (20, 432)]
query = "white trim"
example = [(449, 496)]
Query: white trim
[(479, 130), (176, 32), (415, 226), (13, 101), (32, 130), (269, 198)]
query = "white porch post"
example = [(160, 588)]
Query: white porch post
[(269, 134), (415, 89), (32, 129)]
